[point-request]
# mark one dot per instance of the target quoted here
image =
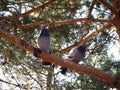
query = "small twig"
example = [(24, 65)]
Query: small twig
[(29, 12), (31, 76), (17, 85)]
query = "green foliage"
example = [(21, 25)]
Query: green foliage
[(26, 71)]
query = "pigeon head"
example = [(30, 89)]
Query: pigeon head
[(81, 48), (44, 27), (44, 32)]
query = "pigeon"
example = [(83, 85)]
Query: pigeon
[(44, 43), (76, 54)]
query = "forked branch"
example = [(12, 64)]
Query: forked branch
[(89, 35), (59, 61)]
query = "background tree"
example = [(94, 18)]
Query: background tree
[(71, 22)]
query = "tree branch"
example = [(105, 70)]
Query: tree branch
[(17, 85), (88, 36), (29, 12), (91, 8), (116, 23), (63, 22), (58, 61), (116, 18), (108, 6)]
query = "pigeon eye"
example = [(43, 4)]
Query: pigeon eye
[(69, 57)]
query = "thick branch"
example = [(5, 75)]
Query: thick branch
[(58, 61), (108, 6), (116, 18), (64, 22), (116, 23), (88, 36), (29, 12)]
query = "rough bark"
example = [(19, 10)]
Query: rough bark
[(111, 80)]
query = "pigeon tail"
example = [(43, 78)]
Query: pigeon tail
[(46, 63), (63, 70)]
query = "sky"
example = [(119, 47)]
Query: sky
[(114, 49)]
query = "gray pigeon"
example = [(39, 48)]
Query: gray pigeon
[(76, 54), (44, 43)]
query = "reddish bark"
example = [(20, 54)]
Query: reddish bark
[(58, 61)]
